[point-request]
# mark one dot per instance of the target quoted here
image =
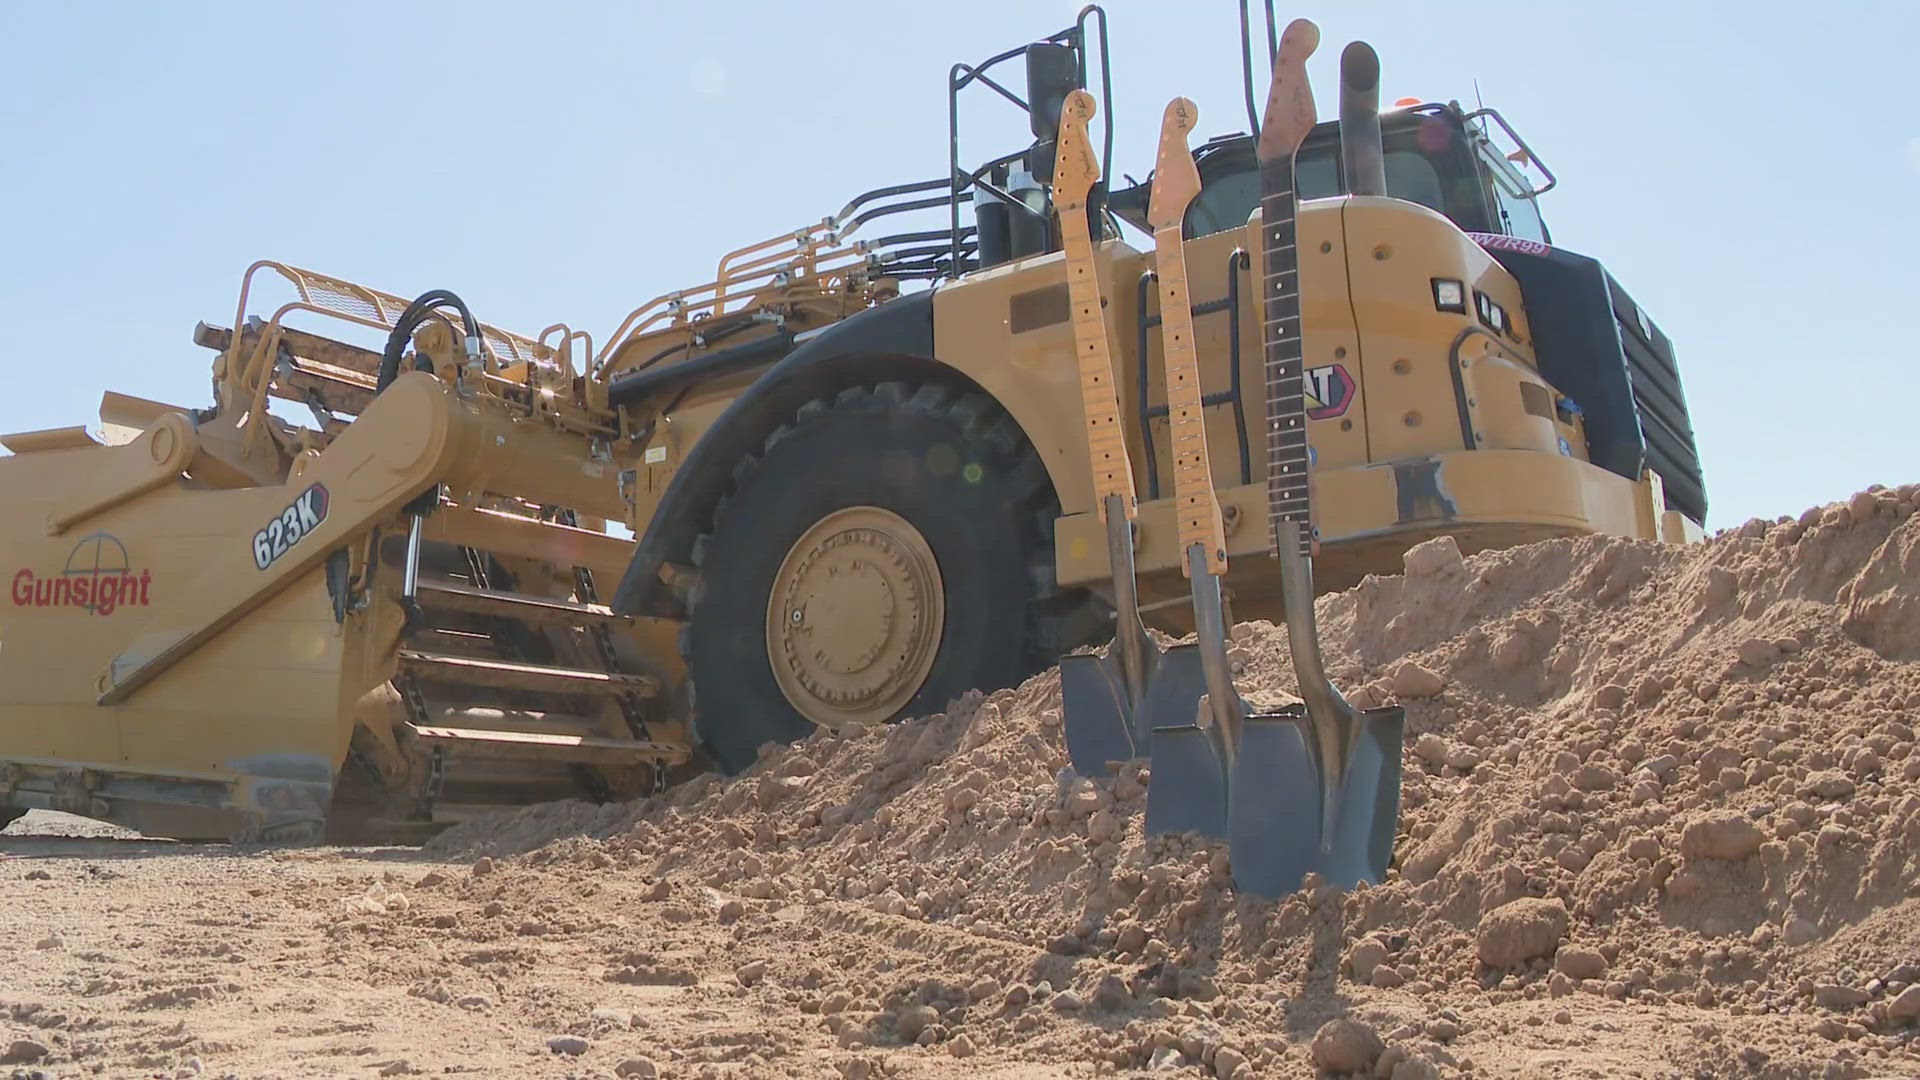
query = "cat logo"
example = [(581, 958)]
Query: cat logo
[(1329, 391)]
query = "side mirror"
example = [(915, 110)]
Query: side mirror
[(1053, 72)]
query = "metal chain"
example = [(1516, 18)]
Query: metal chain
[(358, 757), (630, 707), (602, 638), (436, 776)]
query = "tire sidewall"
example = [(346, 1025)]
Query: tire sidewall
[(960, 493)]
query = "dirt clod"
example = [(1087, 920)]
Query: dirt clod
[(1345, 1046), (1580, 963), (1413, 680), (1721, 834), (23, 1052), (1520, 930)]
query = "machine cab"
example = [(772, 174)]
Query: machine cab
[(1435, 156)]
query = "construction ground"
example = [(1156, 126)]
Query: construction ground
[(1661, 819)]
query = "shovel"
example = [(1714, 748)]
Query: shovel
[(1191, 747), (1316, 786), (1312, 787), (1101, 697)]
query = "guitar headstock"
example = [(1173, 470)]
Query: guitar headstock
[(1075, 168), (1290, 112), (1176, 179)]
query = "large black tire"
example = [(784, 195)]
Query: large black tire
[(953, 466)]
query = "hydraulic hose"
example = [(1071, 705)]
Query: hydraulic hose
[(409, 321), (416, 313)]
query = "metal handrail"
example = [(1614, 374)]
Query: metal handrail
[(1075, 37), (1532, 192)]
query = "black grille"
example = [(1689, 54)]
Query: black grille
[(1662, 405), (1596, 346)]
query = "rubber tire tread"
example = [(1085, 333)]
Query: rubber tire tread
[(952, 464)]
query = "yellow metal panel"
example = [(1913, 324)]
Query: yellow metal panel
[(267, 688), (1330, 345), (1493, 380), (39, 442), (1395, 250), (1030, 373), (1676, 528), (1521, 494)]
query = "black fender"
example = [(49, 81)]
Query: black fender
[(891, 341)]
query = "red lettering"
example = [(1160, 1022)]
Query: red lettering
[(100, 593), (128, 591)]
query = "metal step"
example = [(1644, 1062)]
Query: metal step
[(547, 746), (445, 641), (507, 675), (516, 535), (457, 596), (490, 718)]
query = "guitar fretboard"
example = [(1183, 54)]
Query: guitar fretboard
[(1112, 470), (1287, 492), (1199, 508)]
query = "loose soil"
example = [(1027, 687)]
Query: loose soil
[(1660, 818)]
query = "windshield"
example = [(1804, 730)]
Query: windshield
[(1227, 199), (1410, 175), (1428, 161), (1519, 216)]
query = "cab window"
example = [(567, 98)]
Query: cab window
[(1428, 161), (1229, 198), (1411, 175), (1518, 216), (1226, 202)]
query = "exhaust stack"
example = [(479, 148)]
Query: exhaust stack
[(1361, 158)]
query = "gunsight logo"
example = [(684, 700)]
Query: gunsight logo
[(98, 577)]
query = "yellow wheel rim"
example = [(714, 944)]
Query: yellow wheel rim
[(854, 621)]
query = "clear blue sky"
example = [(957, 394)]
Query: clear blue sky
[(1749, 171)]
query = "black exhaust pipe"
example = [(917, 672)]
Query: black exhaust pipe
[(1361, 157)]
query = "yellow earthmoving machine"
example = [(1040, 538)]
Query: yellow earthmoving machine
[(408, 566)]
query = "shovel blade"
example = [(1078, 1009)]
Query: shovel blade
[(1276, 834), (1096, 712), (1188, 789)]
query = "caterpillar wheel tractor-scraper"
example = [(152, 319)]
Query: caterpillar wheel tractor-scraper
[(407, 566)]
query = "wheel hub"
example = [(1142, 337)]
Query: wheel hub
[(855, 618)]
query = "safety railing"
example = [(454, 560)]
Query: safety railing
[(809, 256), (252, 373)]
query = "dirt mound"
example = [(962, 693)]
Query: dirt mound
[(1638, 773)]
